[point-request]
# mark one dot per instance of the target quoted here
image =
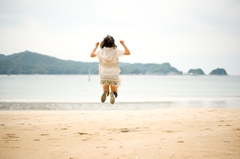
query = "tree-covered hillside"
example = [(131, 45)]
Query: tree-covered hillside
[(150, 69), (33, 63)]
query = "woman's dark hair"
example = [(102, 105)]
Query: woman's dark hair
[(108, 41)]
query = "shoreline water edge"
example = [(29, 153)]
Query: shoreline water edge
[(117, 105)]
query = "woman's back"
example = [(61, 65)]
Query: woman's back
[(108, 66), (108, 63)]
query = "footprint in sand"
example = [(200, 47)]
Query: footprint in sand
[(141, 128), (125, 130), (10, 136), (82, 133), (208, 129), (169, 131), (104, 147)]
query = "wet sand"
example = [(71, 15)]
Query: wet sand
[(184, 133)]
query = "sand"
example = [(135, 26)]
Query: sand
[(166, 133)]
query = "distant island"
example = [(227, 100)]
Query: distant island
[(196, 72), (28, 62), (219, 71)]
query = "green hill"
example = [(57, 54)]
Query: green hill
[(150, 69), (34, 63)]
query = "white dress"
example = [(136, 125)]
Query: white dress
[(109, 66)]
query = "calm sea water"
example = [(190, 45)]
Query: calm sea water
[(69, 92)]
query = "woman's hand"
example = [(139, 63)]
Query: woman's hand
[(94, 50), (126, 52), (122, 42), (97, 44)]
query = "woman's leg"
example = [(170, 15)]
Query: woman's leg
[(113, 94), (114, 89), (105, 93), (105, 87)]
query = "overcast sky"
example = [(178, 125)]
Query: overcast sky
[(186, 33)]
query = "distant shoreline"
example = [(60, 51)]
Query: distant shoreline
[(28, 62), (120, 75)]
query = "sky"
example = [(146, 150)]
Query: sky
[(188, 34)]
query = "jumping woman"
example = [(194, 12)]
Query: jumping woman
[(109, 66)]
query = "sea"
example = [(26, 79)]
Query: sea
[(137, 92)]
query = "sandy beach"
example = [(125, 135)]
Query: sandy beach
[(184, 133)]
